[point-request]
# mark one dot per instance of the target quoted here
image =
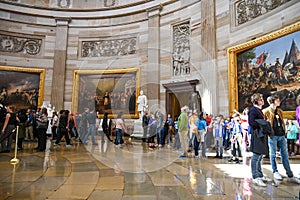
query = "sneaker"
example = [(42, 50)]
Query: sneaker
[(183, 156), (292, 154), (267, 179), (55, 144), (277, 176), (259, 182), (293, 180), (69, 145)]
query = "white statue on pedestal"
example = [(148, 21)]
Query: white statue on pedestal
[(142, 104)]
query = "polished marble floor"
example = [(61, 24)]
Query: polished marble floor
[(132, 171)]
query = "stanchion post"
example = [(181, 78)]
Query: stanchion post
[(15, 160)]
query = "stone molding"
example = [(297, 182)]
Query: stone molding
[(105, 48), (247, 10), (21, 45)]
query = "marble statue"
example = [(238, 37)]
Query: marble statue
[(142, 104)]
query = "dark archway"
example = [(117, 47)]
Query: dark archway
[(180, 94)]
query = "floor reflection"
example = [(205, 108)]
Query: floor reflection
[(132, 171)]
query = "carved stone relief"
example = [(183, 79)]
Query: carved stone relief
[(14, 44), (181, 49), (64, 3), (110, 3), (102, 48), (246, 10)]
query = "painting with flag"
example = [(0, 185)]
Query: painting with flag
[(270, 68), (260, 59)]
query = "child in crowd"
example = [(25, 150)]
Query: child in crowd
[(236, 141), (291, 131)]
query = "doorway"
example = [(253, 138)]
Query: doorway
[(180, 94)]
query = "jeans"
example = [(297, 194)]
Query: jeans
[(119, 139), (256, 165), (92, 132), (160, 135), (177, 145), (280, 142), (219, 145), (6, 143)]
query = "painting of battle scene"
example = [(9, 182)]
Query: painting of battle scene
[(19, 89), (270, 68), (108, 92)]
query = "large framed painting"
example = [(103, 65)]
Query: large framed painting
[(267, 65), (21, 87), (111, 91)]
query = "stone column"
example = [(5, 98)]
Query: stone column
[(59, 68), (208, 42), (153, 68)]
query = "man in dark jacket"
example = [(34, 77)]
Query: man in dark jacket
[(145, 120), (259, 143), (105, 126)]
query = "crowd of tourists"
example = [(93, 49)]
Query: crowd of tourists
[(262, 132)]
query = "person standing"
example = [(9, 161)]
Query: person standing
[(275, 116), (42, 125), (298, 113), (54, 124), (259, 142), (170, 129), (152, 131), (176, 145), (91, 118), (200, 136), (105, 126), (9, 124), (83, 125), (63, 128), (29, 126), (145, 121), (218, 134), (183, 123), (292, 132), (120, 128)]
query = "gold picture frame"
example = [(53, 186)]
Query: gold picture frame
[(110, 91), (24, 86), (235, 70)]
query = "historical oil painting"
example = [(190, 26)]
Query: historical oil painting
[(110, 91), (21, 87), (272, 67)]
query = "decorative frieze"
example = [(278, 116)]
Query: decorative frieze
[(104, 48), (63, 3), (110, 3), (14, 44), (181, 49), (247, 10)]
